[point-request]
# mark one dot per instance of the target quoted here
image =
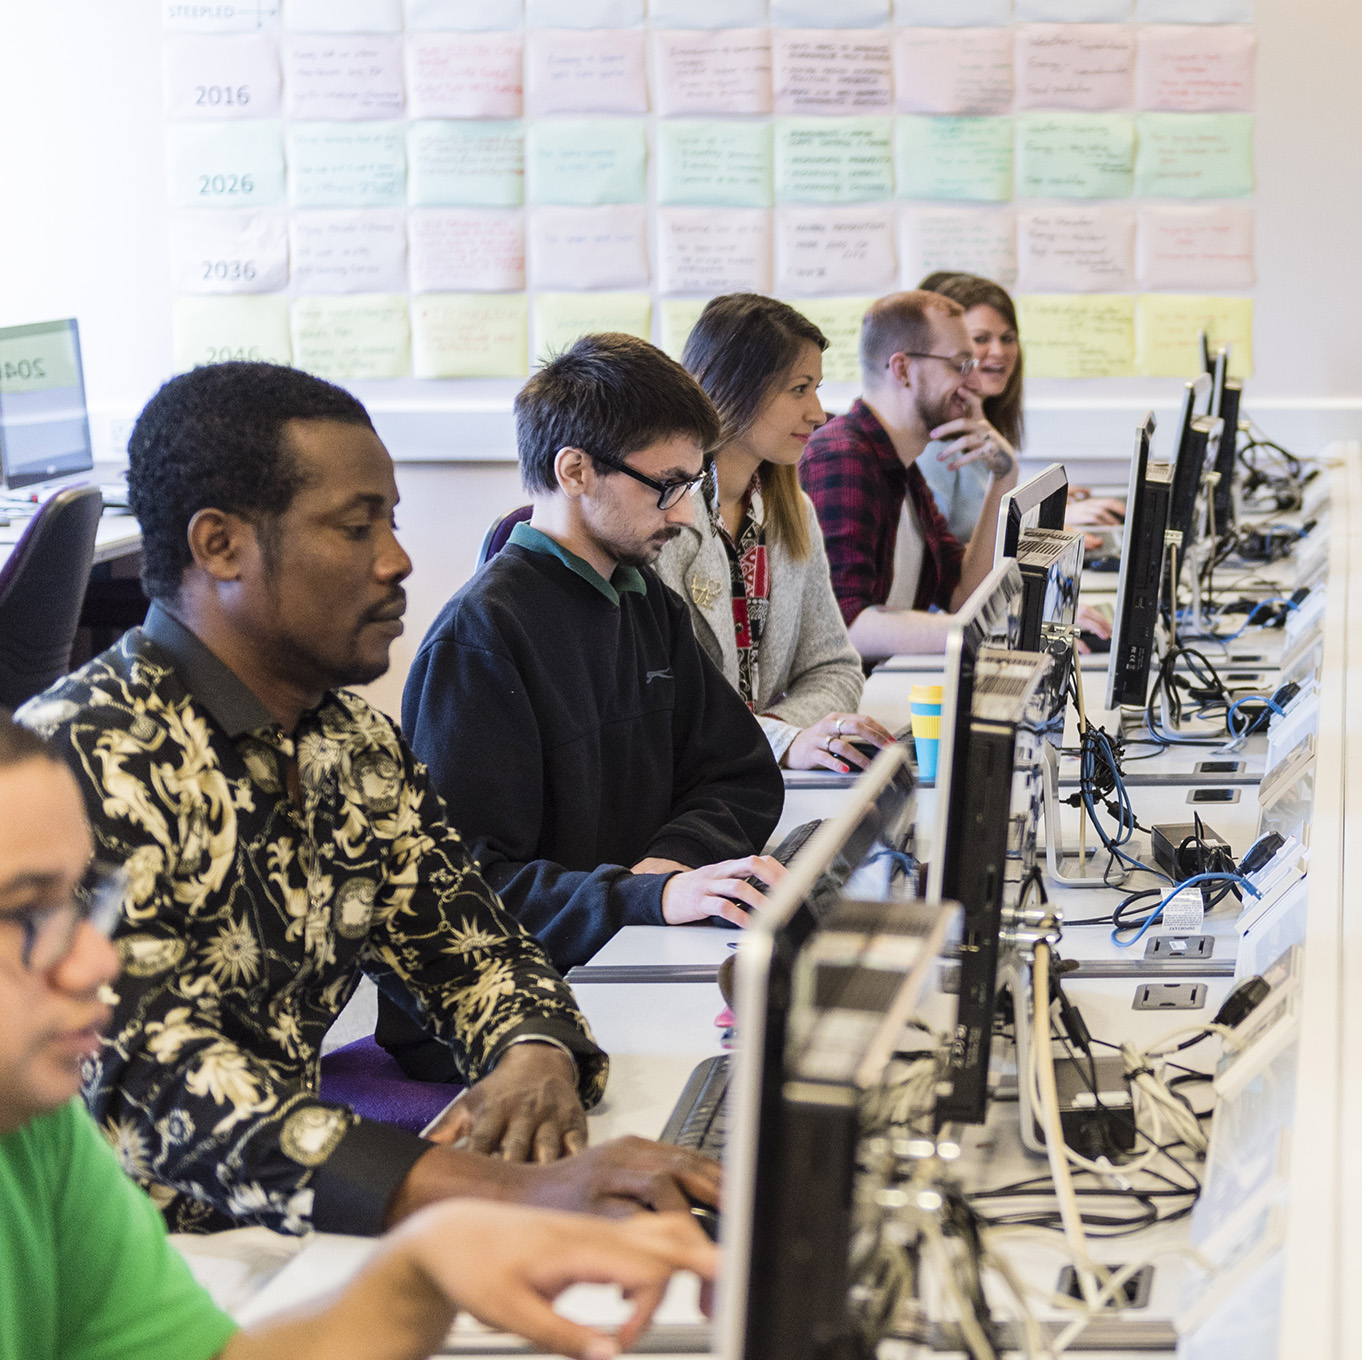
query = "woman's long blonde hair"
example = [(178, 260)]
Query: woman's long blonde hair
[(741, 350)]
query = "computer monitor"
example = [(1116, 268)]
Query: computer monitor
[(1227, 398), (989, 800), (1045, 496), (1197, 443), (44, 429), (772, 1306), (1138, 588)]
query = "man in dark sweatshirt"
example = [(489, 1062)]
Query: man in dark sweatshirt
[(588, 748)]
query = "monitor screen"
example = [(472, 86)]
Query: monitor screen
[(1039, 502), (1138, 587), (874, 821), (1197, 431), (44, 430)]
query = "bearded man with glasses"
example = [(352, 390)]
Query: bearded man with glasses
[(603, 770), (891, 556)]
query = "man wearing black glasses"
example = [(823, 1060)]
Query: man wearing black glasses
[(586, 746), (891, 556)]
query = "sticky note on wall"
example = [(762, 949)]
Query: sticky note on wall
[(347, 165), (561, 318), (1075, 66), (340, 250), (466, 164), (678, 318), (1077, 248), (953, 70), (225, 165), (979, 241), (699, 72), (1168, 327), (339, 75), (464, 75), (714, 250), (835, 250), (963, 158), (466, 250), (586, 160), (1195, 155), (831, 71), (584, 71), (213, 330), (600, 247), (348, 338), (470, 335), (464, 14), (1077, 336), (221, 78), (1196, 246), (1192, 68), (230, 252), (1075, 155), (833, 160), (840, 321), (724, 164)]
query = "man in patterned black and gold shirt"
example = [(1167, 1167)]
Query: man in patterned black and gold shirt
[(280, 840)]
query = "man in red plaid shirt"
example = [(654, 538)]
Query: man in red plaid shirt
[(891, 555)]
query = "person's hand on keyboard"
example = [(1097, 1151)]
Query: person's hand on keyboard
[(526, 1109), (506, 1265), (1090, 620), (718, 890), (833, 743)]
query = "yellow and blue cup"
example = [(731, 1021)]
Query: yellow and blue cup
[(926, 711)]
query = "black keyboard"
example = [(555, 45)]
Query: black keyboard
[(698, 1119)]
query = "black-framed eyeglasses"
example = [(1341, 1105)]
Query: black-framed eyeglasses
[(668, 493), (962, 366), (49, 929)]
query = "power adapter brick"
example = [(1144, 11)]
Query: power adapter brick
[(1211, 856)]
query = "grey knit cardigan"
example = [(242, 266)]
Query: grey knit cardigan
[(806, 664)]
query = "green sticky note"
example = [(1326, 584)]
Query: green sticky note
[(833, 160), (1078, 335), (347, 165), (839, 318), (466, 164), (225, 165), (1075, 155), (1195, 155), (212, 330), (586, 160), (1168, 329), (709, 164), (965, 158), (561, 318), (357, 336), (470, 335)]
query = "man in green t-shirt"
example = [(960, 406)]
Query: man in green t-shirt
[(86, 1272)]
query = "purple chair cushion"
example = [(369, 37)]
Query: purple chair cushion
[(364, 1077), (497, 536)]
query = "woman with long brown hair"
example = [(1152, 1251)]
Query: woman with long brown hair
[(752, 566)]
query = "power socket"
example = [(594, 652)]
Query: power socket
[(1180, 947), (1170, 996)]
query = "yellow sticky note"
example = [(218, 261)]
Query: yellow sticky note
[(212, 330), (1168, 330), (470, 335), (1069, 336), (561, 318), (839, 318), (364, 335), (678, 319)]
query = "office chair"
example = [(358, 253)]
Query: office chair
[(494, 540), (42, 586)]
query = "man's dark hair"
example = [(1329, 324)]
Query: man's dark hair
[(213, 438), (609, 395), (18, 745)]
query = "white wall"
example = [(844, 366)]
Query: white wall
[(84, 231)]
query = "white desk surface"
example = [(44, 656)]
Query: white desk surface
[(117, 535)]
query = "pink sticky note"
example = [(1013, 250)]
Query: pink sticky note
[(472, 250), (1200, 247), (1075, 66), (464, 75), (570, 70), (953, 70), (599, 246), (1196, 68), (1076, 248), (830, 70), (724, 70)]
